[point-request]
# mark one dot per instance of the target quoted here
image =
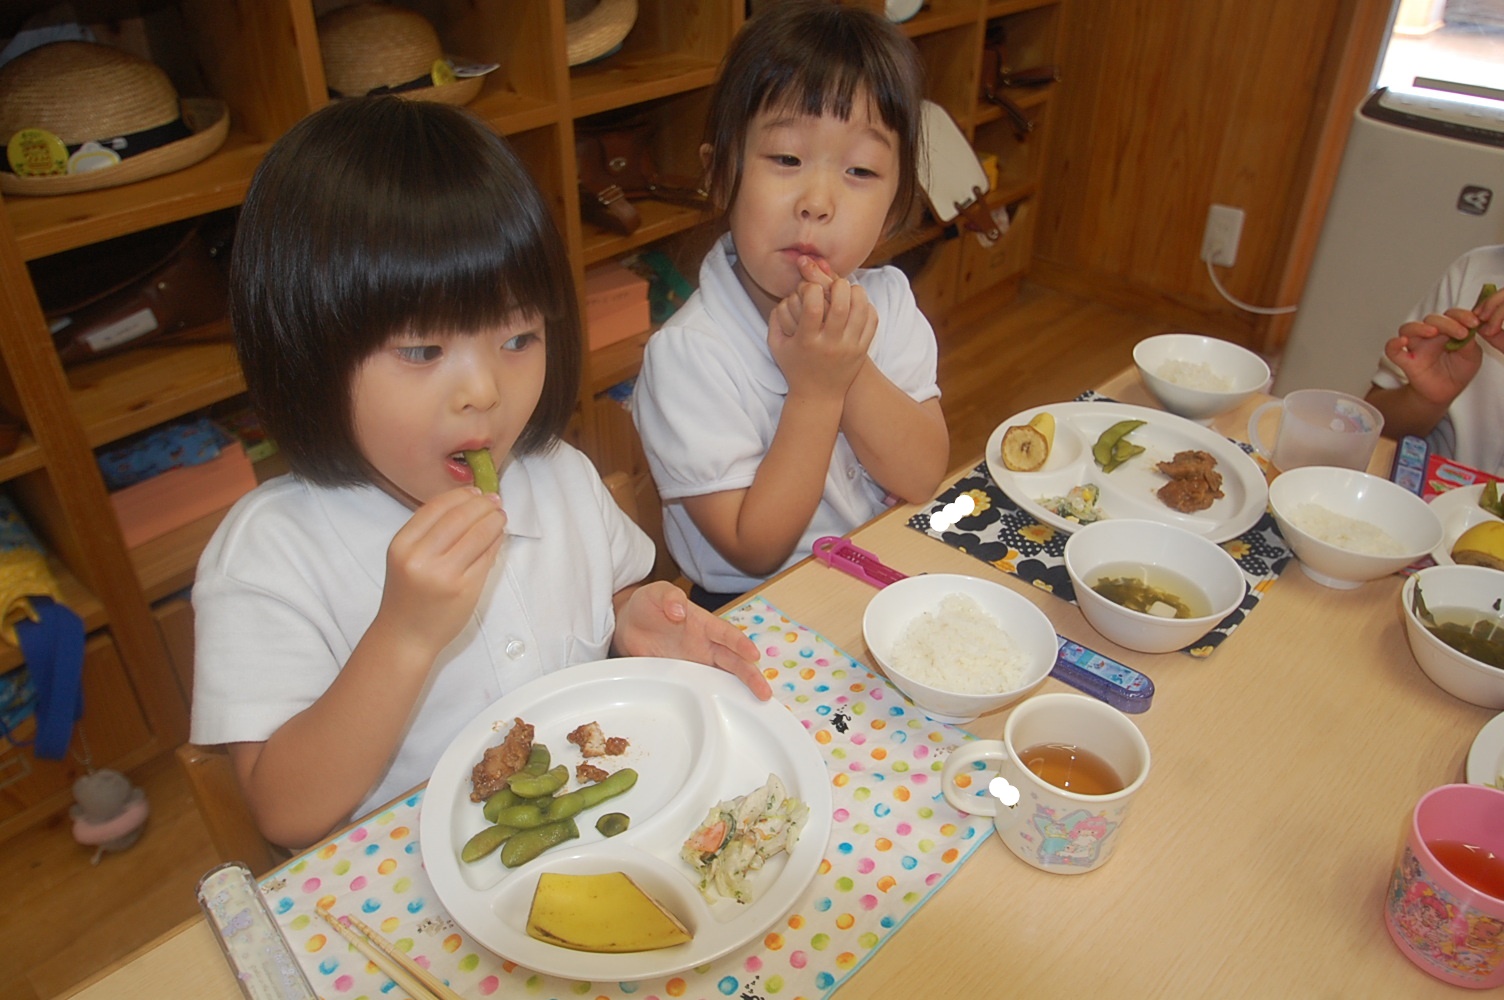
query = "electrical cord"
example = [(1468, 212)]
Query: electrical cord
[(1261, 310)]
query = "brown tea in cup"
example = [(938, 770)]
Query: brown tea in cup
[(1072, 768)]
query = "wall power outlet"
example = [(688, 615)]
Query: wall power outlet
[(1224, 228)]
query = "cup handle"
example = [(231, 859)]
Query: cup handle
[(961, 760), (1253, 428)]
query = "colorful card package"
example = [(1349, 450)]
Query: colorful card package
[(1428, 475)]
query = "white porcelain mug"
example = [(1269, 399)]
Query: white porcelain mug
[(1053, 829), (1319, 427)]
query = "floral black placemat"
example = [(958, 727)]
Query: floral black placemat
[(1001, 534)]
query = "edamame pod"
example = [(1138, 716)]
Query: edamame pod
[(497, 801), (584, 798), (534, 786), (1122, 452), (527, 814), (538, 759), (484, 470), (1488, 292), (527, 845), (1104, 451), (486, 841)]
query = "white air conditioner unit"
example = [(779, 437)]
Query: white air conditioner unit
[(1417, 188)]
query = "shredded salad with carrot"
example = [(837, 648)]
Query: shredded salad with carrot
[(739, 835)]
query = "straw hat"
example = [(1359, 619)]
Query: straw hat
[(78, 108), (595, 27), (368, 46)]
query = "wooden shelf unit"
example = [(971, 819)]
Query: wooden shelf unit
[(263, 60)]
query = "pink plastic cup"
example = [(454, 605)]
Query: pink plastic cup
[(1442, 924)]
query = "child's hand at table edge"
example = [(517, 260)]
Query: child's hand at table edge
[(658, 619)]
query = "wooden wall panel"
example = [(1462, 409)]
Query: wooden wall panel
[(1167, 106)]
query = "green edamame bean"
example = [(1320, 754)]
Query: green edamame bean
[(591, 795), (486, 841), (1122, 452), (527, 845), (1488, 292), (498, 801), (611, 824), (534, 786), (527, 814), (484, 470), (538, 759), (1110, 450)]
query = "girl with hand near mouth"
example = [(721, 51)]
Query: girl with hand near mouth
[(793, 396), (400, 296)]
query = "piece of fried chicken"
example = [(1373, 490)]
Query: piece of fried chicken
[(502, 761), (1195, 484), (594, 743)]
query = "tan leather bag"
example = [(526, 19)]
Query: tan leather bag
[(615, 165), (149, 288)]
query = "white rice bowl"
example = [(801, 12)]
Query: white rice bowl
[(1196, 376), (957, 645), (1337, 551)]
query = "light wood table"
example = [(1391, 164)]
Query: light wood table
[(1258, 853)]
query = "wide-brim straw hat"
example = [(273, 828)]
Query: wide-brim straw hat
[(595, 27), (368, 46), (82, 92)]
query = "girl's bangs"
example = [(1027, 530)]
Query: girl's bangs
[(460, 275), (818, 87)]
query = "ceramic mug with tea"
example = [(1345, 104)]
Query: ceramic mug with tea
[(1445, 905), (1058, 785)]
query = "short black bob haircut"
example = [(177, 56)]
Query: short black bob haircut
[(372, 218), (811, 57)]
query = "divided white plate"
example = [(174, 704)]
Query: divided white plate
[(1129, 490), (1458, 510), (697, 736), (1485, 761)]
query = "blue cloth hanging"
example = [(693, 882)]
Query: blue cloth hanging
[(53, 645)]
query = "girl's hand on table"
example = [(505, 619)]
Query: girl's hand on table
[(657, 619), (437, 564)]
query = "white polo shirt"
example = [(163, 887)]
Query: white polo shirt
[(293, 577), (709, 398), (1472, 432)]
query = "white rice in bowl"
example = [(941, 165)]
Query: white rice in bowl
[(1345, 532), (959, 647), (1194, 375)]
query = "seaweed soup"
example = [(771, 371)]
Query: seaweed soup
[(1473, 633)]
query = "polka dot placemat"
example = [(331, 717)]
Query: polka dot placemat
[(893, 842)]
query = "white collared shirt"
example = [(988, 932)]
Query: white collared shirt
[(293, 578), (710, 394)]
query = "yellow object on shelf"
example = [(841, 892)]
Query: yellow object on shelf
[(989, 167)]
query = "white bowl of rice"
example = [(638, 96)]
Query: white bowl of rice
[(1347, 527), (1198, 377), (959, 646)]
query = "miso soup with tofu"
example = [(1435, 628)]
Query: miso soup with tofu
[(1152, 590)]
